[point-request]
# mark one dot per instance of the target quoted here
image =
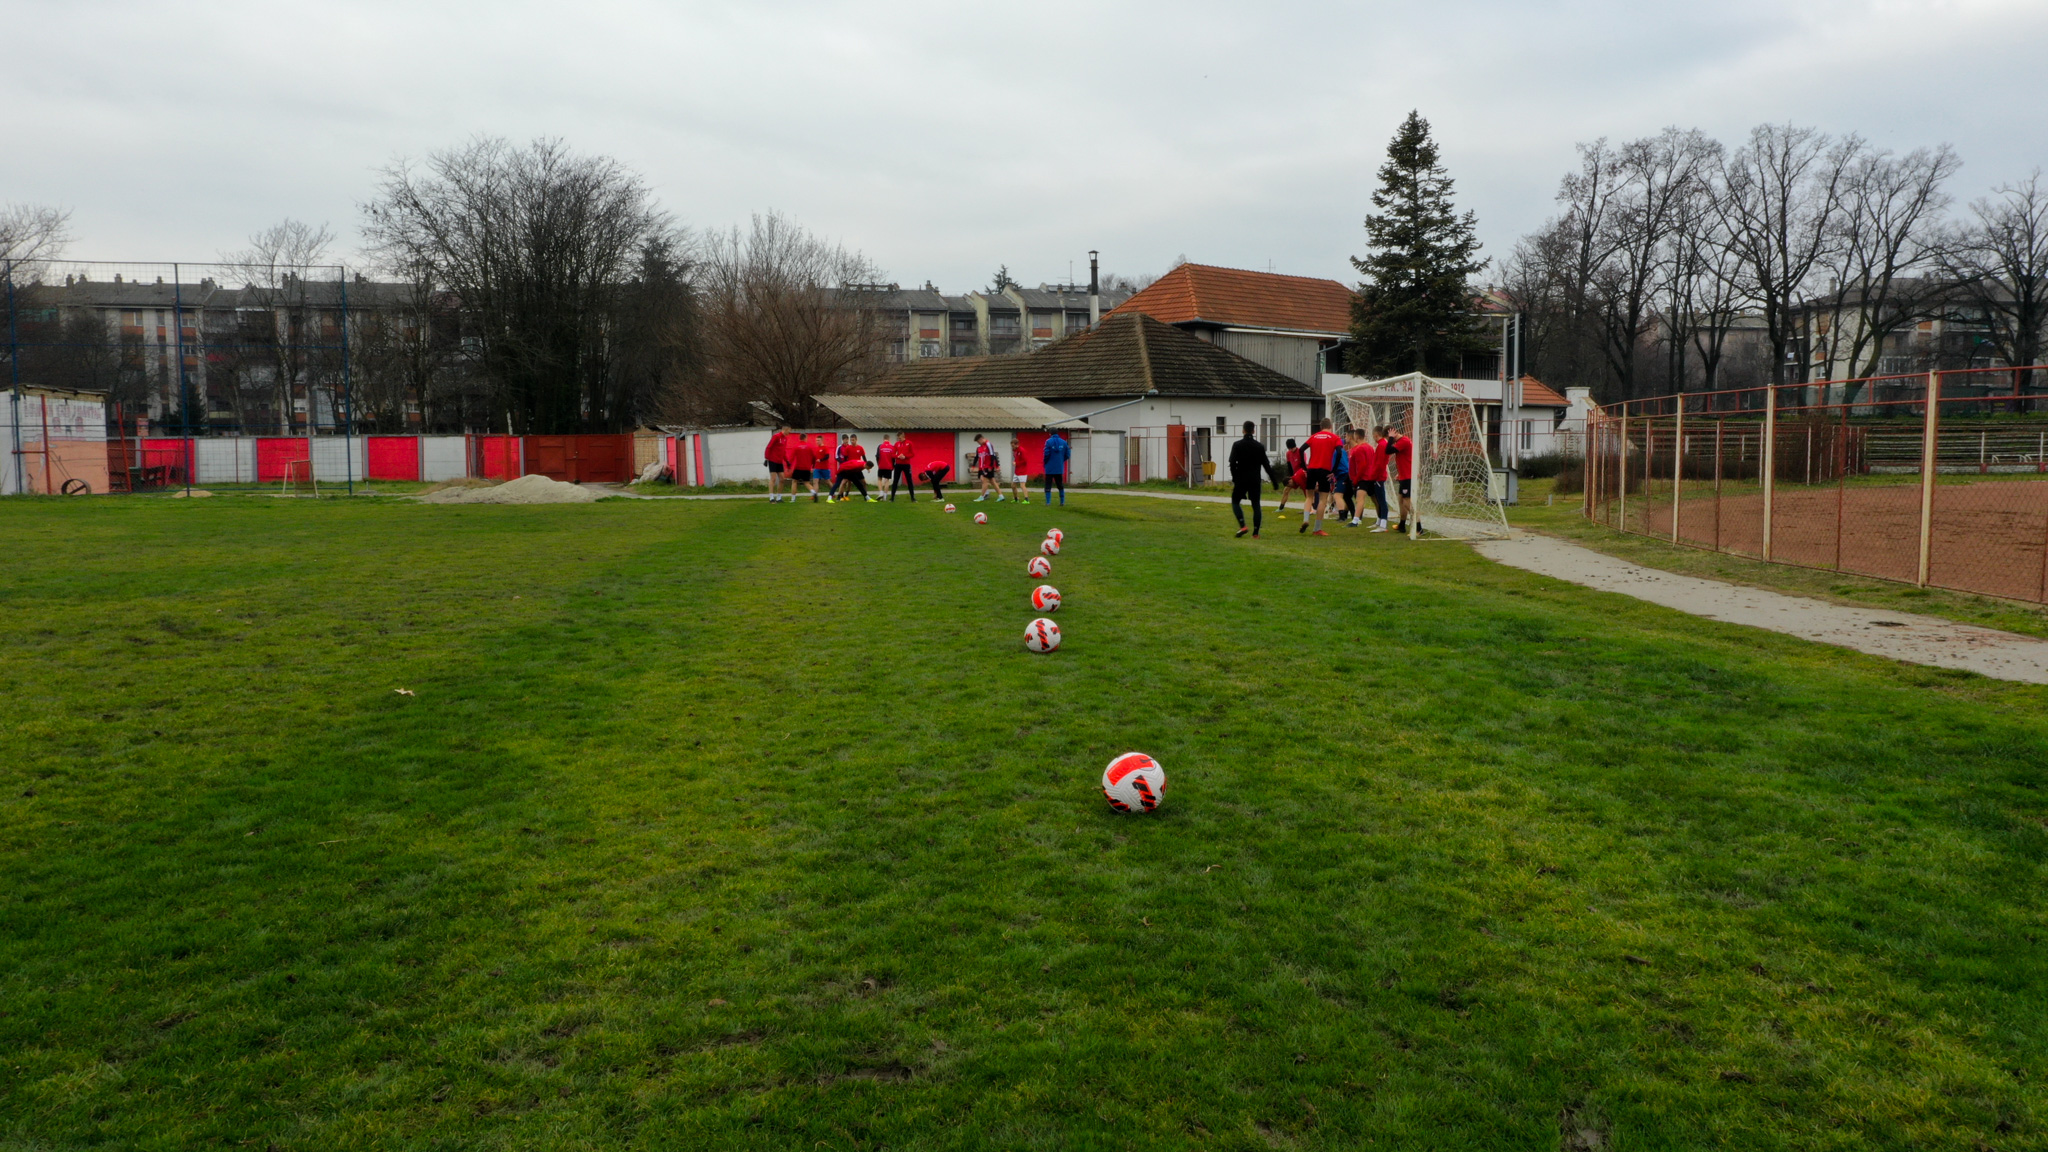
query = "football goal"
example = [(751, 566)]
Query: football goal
[(298, 479), (1457, 492)]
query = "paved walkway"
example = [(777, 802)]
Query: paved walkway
[(1880, 632)]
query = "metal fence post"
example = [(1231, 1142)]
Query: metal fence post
[(14, 374), (348, 408), (1677, 465), (184, 388), (1930, 461), (1621, 474), (1768, 459)]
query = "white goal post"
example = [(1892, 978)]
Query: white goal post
[(1457, 492)]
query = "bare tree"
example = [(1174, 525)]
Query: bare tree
[(280, 321), (781, 324), (1655, 182), (1782, 202), (535, 243), (1880, 268), (2000, 261), (30, 236)]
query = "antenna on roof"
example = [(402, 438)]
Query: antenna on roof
[(1094, 291)]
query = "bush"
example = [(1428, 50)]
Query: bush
[(1545, 466)]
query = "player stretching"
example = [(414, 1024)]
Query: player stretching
[(853, 466), (775, 457), (1020, 472), (1054, 461), (1296, 477), (802, 459), (1319, 454), (901, 474), (1247, 473), (935, 473), (1399, 453)]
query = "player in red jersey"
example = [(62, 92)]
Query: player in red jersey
[(803, 459), (1370, 469), (853, 466), (935, 473), (1399, 453), (775, 457), (988, 468), (901, 474), (1020, 471), (1297, 479), (1320, 457)]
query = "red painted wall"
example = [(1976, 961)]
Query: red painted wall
[(1034, 453), (392, 457), (929, 448), (597, 459), (495, 457), (273, 453)]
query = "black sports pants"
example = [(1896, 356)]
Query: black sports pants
[(899, 476), (850, 479), (1059, 478), (937, 478), (1241, 489)]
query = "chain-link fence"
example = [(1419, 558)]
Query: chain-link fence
[(1937, 479)]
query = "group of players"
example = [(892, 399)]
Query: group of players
[(803, 458), (1327, 469)]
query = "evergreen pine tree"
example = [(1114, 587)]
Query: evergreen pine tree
[(1412, 314)]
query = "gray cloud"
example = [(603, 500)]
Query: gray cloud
[(944, 140)]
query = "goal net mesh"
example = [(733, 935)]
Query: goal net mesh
[(1457, 493)]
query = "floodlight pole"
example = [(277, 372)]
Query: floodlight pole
[(348, 409), (14, 371), (184, 389)]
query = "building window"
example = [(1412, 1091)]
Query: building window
[(1222, 429), (1041, 323), (1269, 432), (1006, 324), (962, 348), (896, 349), (930, 348), (1528, 434), (1076, 321)]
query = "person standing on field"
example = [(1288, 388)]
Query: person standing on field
[(885, 460), (1247, 473), (1371, 469), (1399, 452), (803, 458), (1296, 477), (1020, 470), (987, 467), (1320, 455), (901, 473), (775, 457), (1054, 459)]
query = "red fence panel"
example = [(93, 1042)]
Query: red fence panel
[(593, 459), (495, 457), (162, 462), (275, 453), (392, 457)]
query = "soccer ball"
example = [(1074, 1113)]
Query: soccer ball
[(1049, 546), (1055, 535), (981, 517), (950, 508), (1039, 566), (1041, 635), (1045, 598), (1134, 782)]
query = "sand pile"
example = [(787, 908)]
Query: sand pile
[(525, 490)]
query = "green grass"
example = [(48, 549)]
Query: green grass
[(717, 825)]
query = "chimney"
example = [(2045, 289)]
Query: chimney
[(1094, 292)]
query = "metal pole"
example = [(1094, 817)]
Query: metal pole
[(1719, 432), (1677, 465), (1421, 439), (348, 406), (1768, 458), (14, 370), (1621, 473), (1930, 460), (184, 394)]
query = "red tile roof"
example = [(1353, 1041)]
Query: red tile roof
[(1239, 298), (1537, 394)]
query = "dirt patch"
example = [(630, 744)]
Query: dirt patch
[(535, 489)]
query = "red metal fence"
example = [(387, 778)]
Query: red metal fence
[(1936, 480)]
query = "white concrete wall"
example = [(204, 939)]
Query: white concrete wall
[(444, 457), (335, 456), (734, 455), (228, 461)]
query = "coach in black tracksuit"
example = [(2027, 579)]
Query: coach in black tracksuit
[(1247, 471)]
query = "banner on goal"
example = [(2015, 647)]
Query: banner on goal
[(1457, 491)]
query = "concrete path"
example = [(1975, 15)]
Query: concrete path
[(1894, 635)]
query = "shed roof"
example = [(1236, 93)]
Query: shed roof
[(1126, 355), (1239, 298), (958, 413)]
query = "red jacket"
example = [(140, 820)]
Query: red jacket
[(852, 458), (777, 451), (885, 455), (802, 456), (1366, 464), (1400, 452), (903, 452), (1322, 448)]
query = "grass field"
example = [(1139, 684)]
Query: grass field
[(720, 825)]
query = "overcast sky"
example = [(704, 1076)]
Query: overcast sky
[(945, 139)]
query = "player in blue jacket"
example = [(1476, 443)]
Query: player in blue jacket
[(1055, 465)]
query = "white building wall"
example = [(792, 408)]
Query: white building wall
[(224, 461), (444, 457), (340, 458)]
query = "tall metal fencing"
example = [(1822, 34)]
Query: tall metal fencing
[(1937, 479)]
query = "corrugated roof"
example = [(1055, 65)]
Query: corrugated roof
[(1239, 298), (958, 413), (1126, 355)]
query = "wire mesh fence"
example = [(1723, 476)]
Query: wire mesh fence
[(1938, 479)]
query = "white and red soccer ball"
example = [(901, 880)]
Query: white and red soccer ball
[(1045, 598), (1041, 635), (1055, 535), (950, 508), (1039, 567), (1049, 546), (1134, 782), (981, 517)]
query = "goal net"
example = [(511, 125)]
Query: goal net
[(1457, 493), (298, 478)]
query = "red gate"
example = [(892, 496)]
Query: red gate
[(581, 459)]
